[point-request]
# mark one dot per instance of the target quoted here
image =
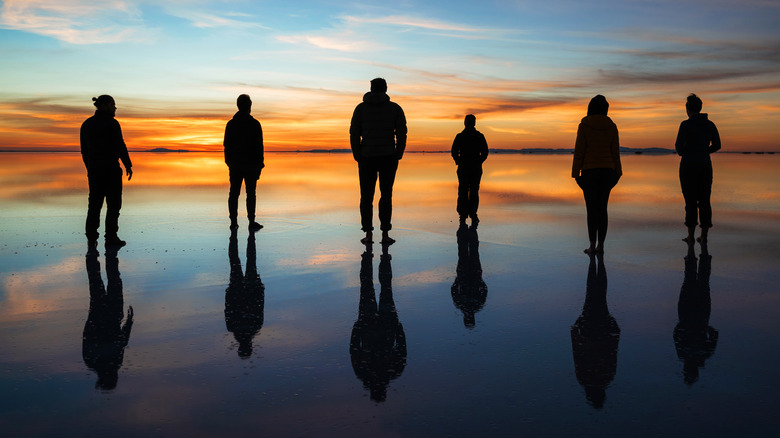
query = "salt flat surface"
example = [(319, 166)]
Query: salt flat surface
[(487, 339)]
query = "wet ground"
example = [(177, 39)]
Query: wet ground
[(299, 330)]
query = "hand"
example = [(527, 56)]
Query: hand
[(129, 313), (129, 173)]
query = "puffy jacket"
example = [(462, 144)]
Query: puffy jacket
[(244, 142), (597, 146), (102, 144), (697, 139), (378, 128), (469, 148)]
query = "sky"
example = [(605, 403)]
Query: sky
[(526, 69)]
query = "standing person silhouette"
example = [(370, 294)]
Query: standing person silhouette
[(697, 138), (596, 168), (102, 146), (244, 158), (469, 150), (377, 136)]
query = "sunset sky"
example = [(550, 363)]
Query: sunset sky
[(526, 69)]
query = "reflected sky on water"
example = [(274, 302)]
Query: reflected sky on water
[(300, 330)]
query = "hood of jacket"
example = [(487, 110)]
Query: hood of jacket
[(700, 118), (598, 122), (375, 98)]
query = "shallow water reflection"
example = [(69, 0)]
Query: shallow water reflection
[(339, 340)]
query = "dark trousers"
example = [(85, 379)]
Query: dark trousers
[(468, 191), (368, 170), (249, 179), (596, 185), (696, 183), (104, 183)]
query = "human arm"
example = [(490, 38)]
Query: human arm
[(484, 150), (400, 133), (355, 133), (715, 139), (84, 140), (679, 144), (227, 142), (580, 145), (123, 154), (259, 151), (455, 151), (615, 151)]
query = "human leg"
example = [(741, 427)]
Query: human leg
[(463, 194), (113, 202), (387, 171), (705, 207), (474, 180), (689, 192), (236, 179), (367, 172), (94, 205)]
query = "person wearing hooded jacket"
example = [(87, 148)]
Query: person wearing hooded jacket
[(377, 135), (697, 138), (244, 158), (469, 150), (596, 168)]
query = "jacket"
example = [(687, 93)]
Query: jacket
[(244, 142), (597, 146), (697, 138), (378, 128), (102, 144), (470, 148)]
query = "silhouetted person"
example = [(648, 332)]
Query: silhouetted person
[(377, 135), (102, 146), (378, 343), (696, 140), (596, 167), (469, 291), (694, 339), (105, 337), (594, 338), (244, 158), (469, 150), (244, 297)]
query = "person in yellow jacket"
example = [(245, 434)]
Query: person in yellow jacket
[(596, 167)]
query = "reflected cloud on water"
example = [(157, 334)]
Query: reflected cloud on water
[(377, 346), (595, 337), (105, 337), (694, 339)]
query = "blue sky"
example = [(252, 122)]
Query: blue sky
[(527, 69)]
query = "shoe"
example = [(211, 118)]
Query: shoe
[(254, 226), (234, 225), (474, 220), (92, 243), (115, 241)]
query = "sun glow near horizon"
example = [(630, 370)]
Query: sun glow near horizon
[(526, 70)]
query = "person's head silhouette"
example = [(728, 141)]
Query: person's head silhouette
[(244, 103), (693, 104), (470, 121), (598, 106), (379, 85)]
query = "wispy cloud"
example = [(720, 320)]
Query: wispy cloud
[(75, 21), (209, 19), (345, 41)]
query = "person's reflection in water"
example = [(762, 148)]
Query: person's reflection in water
[(105, 337), (378, 343), (595, 336), (694, 339), (469, 291), (244, 296)]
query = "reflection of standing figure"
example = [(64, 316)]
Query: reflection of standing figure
[(469, 150), (594, 338), (244, 297), (378, 343), (694, 339), (469, 291), (105, 337)]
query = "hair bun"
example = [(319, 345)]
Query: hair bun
[(94, 99)]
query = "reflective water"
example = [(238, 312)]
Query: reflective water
[(299, 331)]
